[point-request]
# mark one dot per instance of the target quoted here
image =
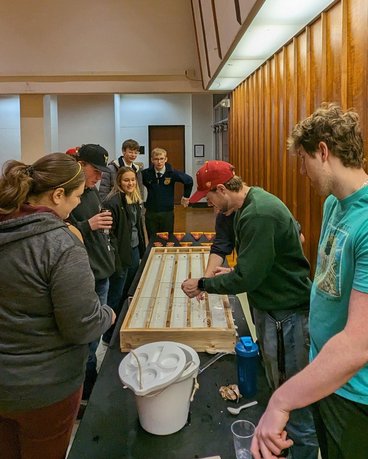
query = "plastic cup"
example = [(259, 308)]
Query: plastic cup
[(243, 432)]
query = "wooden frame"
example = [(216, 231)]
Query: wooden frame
[(160, 311)]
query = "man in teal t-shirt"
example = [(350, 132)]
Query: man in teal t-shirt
[(342, 266), (330, 146)]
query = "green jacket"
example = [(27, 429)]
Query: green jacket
[(271, 266)]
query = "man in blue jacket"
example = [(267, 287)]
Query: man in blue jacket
[(160, 179)]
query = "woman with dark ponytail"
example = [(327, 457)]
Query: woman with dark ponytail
[(49, 311)]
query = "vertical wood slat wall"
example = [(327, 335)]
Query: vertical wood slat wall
[(327, 61)]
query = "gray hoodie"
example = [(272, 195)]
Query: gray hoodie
[(49, 311)]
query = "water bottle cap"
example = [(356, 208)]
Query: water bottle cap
[(246, 347)]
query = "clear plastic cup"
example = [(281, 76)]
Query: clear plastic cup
[(243, 432)]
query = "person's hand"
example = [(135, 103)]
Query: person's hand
[(270, 435), (200, 296), (222, 270), (184, 201), (102, 220), (190, 287), (113, 318)]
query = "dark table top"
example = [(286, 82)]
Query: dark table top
[(110, 427)]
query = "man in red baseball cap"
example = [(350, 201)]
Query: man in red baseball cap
[(210, 175), (272, 269)]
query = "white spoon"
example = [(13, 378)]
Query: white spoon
[(236, 411)]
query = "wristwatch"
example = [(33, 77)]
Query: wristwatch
[(201, 284)]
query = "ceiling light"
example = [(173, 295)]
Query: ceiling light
[(274, 25)]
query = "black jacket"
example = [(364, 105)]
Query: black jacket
[(160, 196), (100, 252), (224, 241), (122, 229)]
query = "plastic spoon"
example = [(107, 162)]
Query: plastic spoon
[(236, 411)]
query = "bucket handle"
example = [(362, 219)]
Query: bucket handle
[(139, 369), (195, 388)]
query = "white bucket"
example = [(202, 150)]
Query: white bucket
[(164, 410)]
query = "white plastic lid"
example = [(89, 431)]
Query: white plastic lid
[(160, 364), (192, 360)]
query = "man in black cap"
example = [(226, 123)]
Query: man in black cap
[(94, 226)]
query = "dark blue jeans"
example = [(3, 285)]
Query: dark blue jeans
[(293, 326), (114, 297), (118, 290), (101, 288), (132, 271)]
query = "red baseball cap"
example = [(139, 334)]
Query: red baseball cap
[(211, 174)]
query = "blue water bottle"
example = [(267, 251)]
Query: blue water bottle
[(247, 361)]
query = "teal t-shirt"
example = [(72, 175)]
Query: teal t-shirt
[(342, 265)]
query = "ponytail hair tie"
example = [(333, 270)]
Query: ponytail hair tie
[(29, 171)]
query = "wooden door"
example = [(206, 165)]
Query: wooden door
[(171, 139)]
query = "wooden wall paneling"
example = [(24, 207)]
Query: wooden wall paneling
[(249, 136), (289, 114), (260, 129), (283, 137), (237, 123), (238, 159), (256, 130), (345, 24), (241, 154), (326, 61), (247, 126), (245, 164), (301, 110), (280, 140), (333, 54), (251, 153), (316, 64), (316, 77), (358, 59), (236, 127), (324, 53), (233, 126), (267, 124), (308, 110), (275, 166)]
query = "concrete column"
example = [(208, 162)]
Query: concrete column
[(32, 131), (50, 115)]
